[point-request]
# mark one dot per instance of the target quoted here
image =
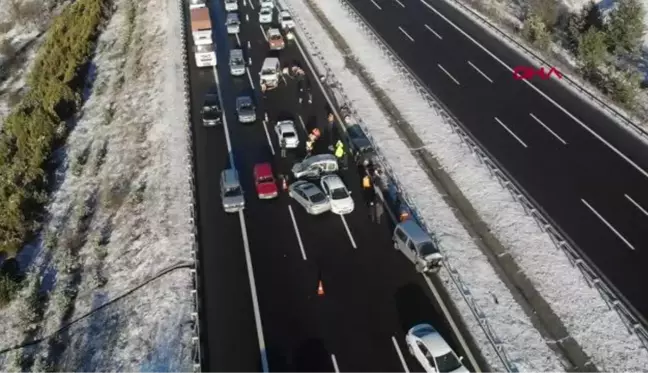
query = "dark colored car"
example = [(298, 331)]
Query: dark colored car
[(211, 111)]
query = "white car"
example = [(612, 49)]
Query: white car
[(285, 129), (338, 194), (266, 3), (265, 15), (286, 20), (309, 196), (432, 351), (233, 23)]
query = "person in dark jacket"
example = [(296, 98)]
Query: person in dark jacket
[(379, 209)]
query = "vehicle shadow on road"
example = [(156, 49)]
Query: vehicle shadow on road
[(309, 356), (414, 306)]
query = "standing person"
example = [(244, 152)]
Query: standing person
[(283, 147), (372, 211), (300, 90), (339, 154), (307, 89), (367, 188), (379, 208)]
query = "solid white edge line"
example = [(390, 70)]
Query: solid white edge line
[(406, 34), (607, 224), (511, 132), (637, 205), (263, 32), (480, 72), (434, 32), (227, 135), (400, 354), (346, 226), (452, 323), (255, 299), (377, 6), (448, 74), (299, 240), (548, 129), (268, 137), (335, 364), (302, 123), (642, 171), (399, 3)]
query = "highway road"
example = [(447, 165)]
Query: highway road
[(372, 293), (586, 173)]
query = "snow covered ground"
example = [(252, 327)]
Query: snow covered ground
[(599, 331), (119, 216)]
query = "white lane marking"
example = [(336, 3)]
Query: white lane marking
[(480, 72), (453, 325), (227, 135), (400, 354), (301, 244), (264, 33), (238, 40), (617, 151), (607, 224), (244, 3), (251, 4), (637, 205), (247, 18), (268, 137), (255, 299), (448, 74), (434, 32), (548, 129), (406, 34), (249, 75), (302, 123), (511, 132), (346, 226), (399, 3), (335, 364), (379, 8), (249, 47)]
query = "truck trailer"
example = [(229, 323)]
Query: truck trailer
[(201, 32)]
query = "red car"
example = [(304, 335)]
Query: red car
[(264, 180)]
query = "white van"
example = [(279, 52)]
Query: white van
[(237, 62), (269, 73), (417, 246)]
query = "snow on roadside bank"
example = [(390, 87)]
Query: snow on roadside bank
[(524, 344), (586, 316), (121, 214)]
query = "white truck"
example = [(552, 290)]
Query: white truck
[(195, 4), (201, 31)]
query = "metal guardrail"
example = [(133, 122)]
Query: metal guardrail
[(634, 323), (335, 90), (196, 345), (614, 112)]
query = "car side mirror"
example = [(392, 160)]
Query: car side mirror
[(461, 358), (350, 192)]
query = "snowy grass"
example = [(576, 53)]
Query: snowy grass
[(599, 331), (120, 215), (523, 342), (21, 25)]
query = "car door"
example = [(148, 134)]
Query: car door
[(325, 188), (425, 357)]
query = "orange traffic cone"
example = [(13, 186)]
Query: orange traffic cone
[(320, 288)]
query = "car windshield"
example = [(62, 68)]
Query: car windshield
[(275, 37), (423, 331), (427, 248), (267, 71), (232, 21), (447, 363), (289, 134), (245, 106), (211, 109), (205, 48), (266, 11), (265, 179), (233, 192), (317, 197), (237, 60), (339, 193)]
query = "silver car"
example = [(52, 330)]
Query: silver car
[(245, 109), (310, 197), (231, 191), (233, 23), (237, 62), (315, 166)]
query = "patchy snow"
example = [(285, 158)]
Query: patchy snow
[(598, 330), (523, 342), (120, 215)]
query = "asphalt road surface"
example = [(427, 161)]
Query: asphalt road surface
[(372, 293), (587, 173)]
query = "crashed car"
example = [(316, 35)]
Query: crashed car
[(275, 39)]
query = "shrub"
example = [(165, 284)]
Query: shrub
[(625, 28), (536, 32), (30, 130), (8, 288)]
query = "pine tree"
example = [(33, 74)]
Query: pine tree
[(592, 52), (579, 23), (625, 28)]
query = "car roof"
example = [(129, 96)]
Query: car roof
[(263, 169), (414, 231), (236, 52), (265, 9), (270, 62), (243, 99), (274, 31), (285, 13), (232, 15), (333, 181), (435, 343), (287, 125)]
